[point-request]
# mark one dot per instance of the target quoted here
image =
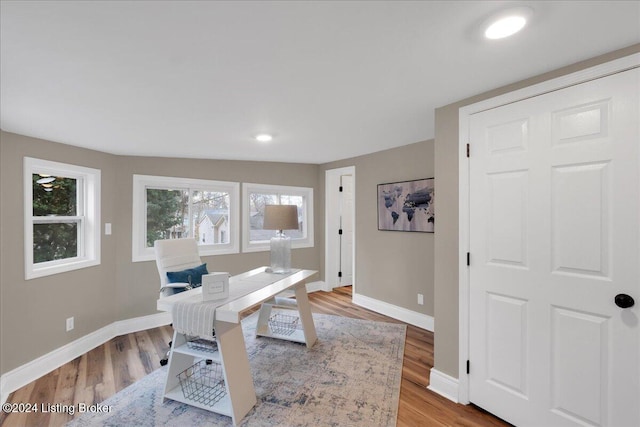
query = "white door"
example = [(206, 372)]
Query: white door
[(346, 225), (554, 237)]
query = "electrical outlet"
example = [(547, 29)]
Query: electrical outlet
[(420, 299), (69, 324)]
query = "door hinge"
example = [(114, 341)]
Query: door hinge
[(339, 273), (340, 189), (468, 369), (468, 259), (340, 232), (468, 149)]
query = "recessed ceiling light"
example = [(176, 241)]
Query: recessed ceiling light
[(507, 22), (263, 137)]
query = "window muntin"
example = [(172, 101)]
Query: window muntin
[(62, 227), (172, 208), (256, 196)]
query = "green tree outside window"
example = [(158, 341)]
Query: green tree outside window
[(55, 197)]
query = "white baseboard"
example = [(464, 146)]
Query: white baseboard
[(443, 384), (31, 371), (136, 324), (311, 287), (408, 316), (316, 286)]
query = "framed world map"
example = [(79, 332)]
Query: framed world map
[(407, 206)]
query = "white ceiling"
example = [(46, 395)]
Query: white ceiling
[(329, 79)]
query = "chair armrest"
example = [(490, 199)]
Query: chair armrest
[(176, 285), (167, 289)]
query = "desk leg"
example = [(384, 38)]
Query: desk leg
[(304, 308), (237, 372)]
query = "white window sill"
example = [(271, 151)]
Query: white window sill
[(60, 268)]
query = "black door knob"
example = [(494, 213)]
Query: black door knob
[(624, 301)]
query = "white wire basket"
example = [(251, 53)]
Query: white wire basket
[(202, 345), (283, 324)]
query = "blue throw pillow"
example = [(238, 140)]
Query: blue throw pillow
[(195, 274)]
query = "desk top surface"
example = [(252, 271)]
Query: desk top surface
[(245, 291)]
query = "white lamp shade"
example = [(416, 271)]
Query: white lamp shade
[(280, 217)]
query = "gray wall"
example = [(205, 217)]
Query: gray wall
[(33, 312), (391, 266), (137, 283), (446, 237)]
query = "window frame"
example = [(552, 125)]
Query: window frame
[(88, 181), (264, 245), (140, 252)]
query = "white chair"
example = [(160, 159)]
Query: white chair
[(175, 255)]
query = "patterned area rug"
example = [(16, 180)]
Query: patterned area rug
[(351, 377)]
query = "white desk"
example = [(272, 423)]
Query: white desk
[(245, 291)]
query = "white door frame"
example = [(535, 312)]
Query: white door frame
[(615, 66), (331, 223)]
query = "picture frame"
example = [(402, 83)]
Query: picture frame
[(407, 206)]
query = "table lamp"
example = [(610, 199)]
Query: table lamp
[(280, 218)]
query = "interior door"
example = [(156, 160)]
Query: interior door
[(554, 238), (346, 225)]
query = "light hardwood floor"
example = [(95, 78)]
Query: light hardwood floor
[(109, 368)]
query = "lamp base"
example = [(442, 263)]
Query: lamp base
[(281, 253)]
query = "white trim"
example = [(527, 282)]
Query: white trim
[(465, 113), (122, 327), (308, 224), (420, 320), (311, 287), (596, 72), (316, 286), (463, 270), (332, 180), (87, 217), (443, 384), (31, 371), (139, 250)]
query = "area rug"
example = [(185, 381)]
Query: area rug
[(350, 377)]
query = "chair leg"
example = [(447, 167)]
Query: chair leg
[(165, 360)]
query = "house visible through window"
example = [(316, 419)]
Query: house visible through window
[(62, 227), (174, 208), (257, 196)]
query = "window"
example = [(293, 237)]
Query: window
[(256, 196), (62, 217), (174, 208)]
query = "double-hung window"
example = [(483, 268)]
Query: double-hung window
[(174, 208), (256, 196), (62, 217)]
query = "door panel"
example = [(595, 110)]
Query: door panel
[(554, 236), (581, 123), (580, 344), (580, 206), (507, 344), (510, 136), (507, 218)]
